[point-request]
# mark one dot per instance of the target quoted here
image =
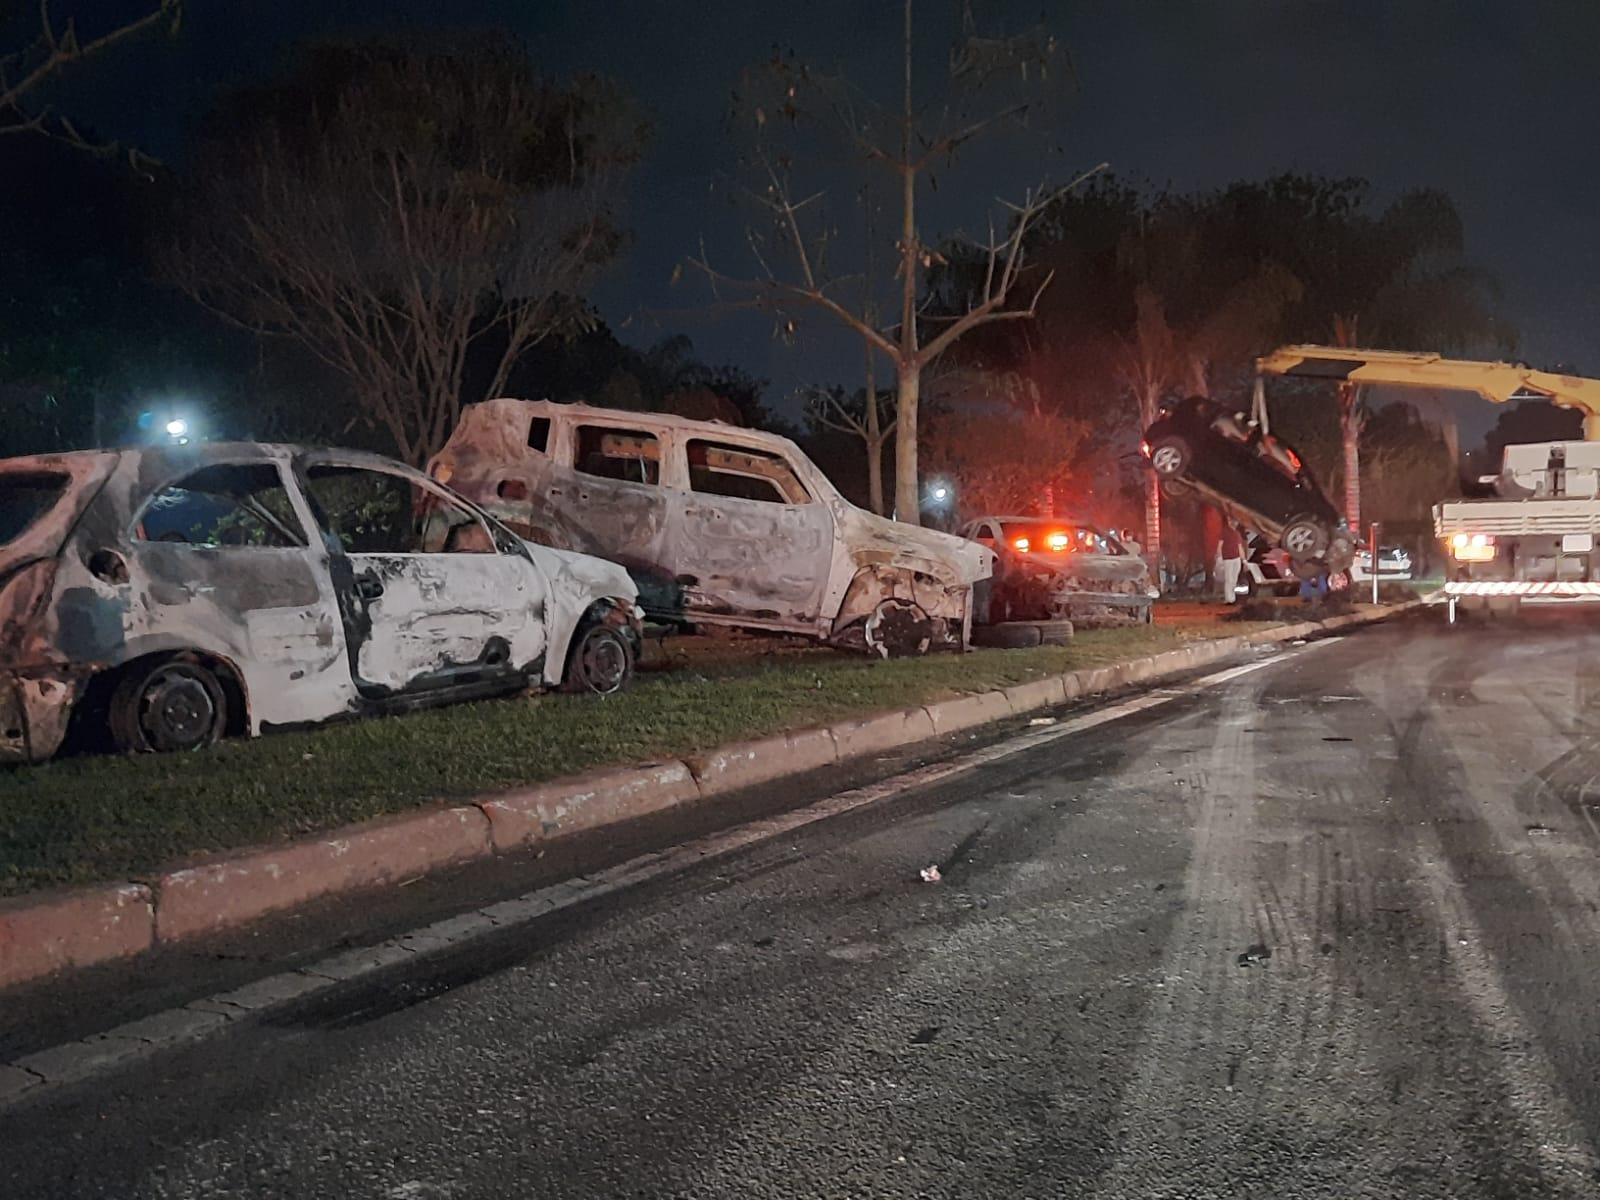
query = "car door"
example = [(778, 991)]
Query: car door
[(220, 560), (430, 599), (751, 540)]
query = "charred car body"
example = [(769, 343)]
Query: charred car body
[(718, 525), (169, 596), (1049, 569), (1255, 480)]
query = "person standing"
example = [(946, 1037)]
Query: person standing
[(1230, 560)]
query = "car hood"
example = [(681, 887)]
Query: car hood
[(872, 540), (1108, 568), (581, 579)]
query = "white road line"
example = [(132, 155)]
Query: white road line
[(76, 1061)]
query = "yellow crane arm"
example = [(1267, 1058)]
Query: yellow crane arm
[(1494, 381)]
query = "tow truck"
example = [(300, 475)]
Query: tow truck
[(1534, 540)]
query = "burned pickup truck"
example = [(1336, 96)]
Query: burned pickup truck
[(164, 597), (718, 525)]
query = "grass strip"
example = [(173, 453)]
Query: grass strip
[(88, 819)]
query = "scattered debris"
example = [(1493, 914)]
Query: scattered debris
[(931, 874), (925, 1035), (1540, 831), (1259, 953), (1042, 721)]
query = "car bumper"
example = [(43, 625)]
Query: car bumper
[(35, 707)]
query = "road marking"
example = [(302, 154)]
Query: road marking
[(74, 1062)]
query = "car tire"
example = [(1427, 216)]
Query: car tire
[(1304, 538), (1169, 457), (1021, 635), (1175, 489), (167, 705), (601, 660)]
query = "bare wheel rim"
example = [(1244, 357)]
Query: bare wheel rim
[(1166, 460), (176, 710), (1300, 539), (896, 628), (604, 661)]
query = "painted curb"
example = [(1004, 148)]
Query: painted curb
[(41, 935), (745, 764), (551, 810), (241, 887), (45, 934)]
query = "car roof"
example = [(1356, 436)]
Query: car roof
[(646, 420)]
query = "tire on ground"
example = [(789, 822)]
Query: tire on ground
[(1020, 635)]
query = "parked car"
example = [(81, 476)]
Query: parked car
[(1266, 570), (1059, 569), (1394, 563), (168, 596), (1255, 479), (718, 525)]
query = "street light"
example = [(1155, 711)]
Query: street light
[(177, 428)]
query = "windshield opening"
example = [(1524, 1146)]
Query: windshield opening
[(25, 500)]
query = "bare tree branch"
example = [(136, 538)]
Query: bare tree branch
[(53, 50), (396, 249)]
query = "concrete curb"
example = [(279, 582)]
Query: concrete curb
[(40, 935)]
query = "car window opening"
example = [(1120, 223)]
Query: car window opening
[(25, 499), (233, 505), (742, 474), (375, 512), (628, 456)]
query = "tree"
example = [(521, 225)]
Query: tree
[(1005, 452), (1393, 279), (851, 413), (401, 211), (52, 49), (1530, 421), (909, 145)]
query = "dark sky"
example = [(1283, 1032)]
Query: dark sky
[(1497, 103)]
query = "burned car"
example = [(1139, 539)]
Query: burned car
[(1051, 569), (717, 524), (164, 597), (1256, 480)]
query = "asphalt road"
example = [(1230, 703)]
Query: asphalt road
[(1331, 929)]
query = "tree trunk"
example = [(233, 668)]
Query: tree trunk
[(1345, 332), (874, 434), (875, 471), (1149, 405), (907, 495), (1152, 526), (908, 368), (1350, 433)]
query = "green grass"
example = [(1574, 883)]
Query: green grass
[(94, 818)]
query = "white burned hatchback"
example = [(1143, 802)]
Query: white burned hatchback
[(169, 596)]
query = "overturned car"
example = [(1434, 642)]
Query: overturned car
[(1052, 569), (718, 525), (165, 597), (1254, 478)]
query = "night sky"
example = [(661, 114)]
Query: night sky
[(1495, 102)]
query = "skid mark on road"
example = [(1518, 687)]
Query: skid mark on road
[(1566, 1160), (1260, 1049)]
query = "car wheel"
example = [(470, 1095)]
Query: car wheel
[(601, 660), (898, 629), (169, 704), (1175, 489), (1169, 457), (1020, 635), (1342, 551), (1303, 537)]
